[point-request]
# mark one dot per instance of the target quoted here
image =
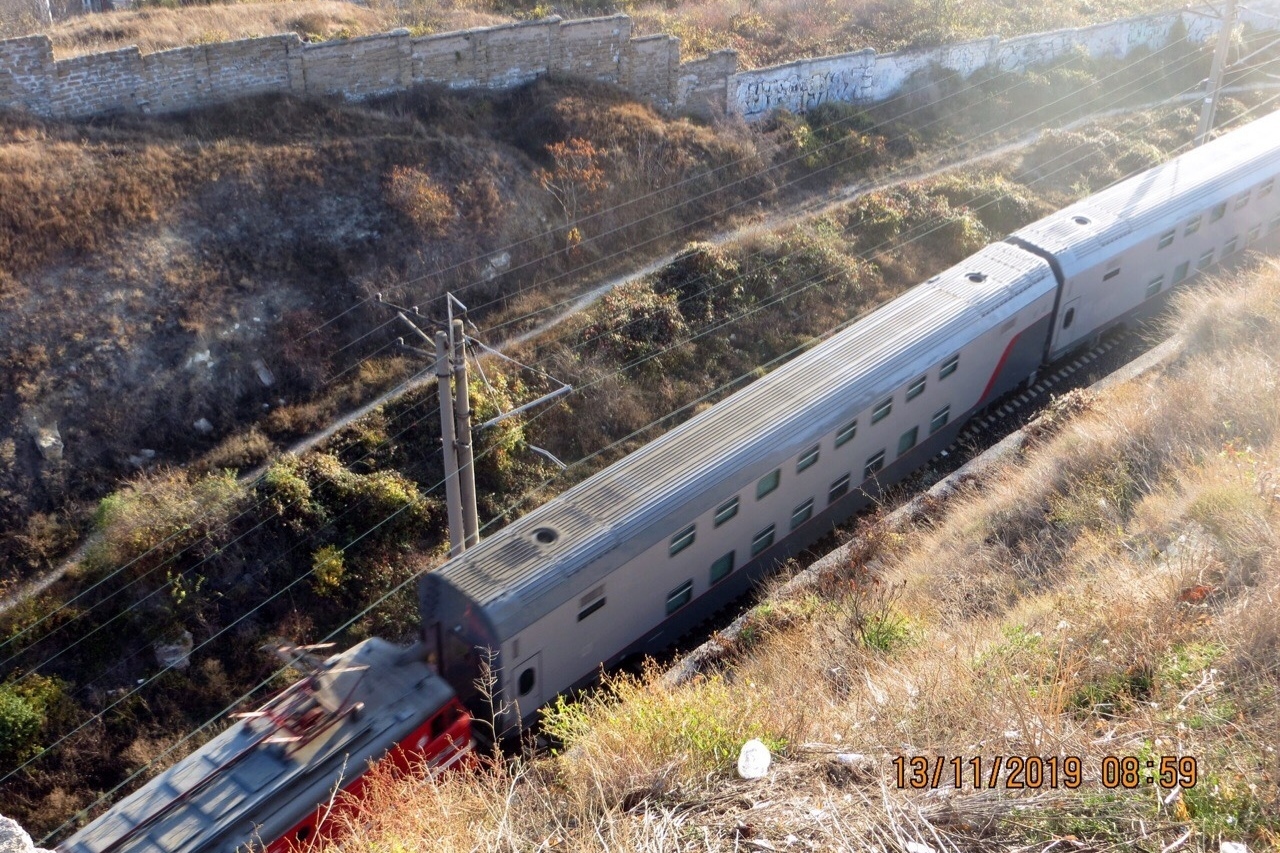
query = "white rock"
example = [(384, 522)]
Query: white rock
[(176, 655), (917, 847), (203, 426), (1233, 847), (14, 839), (753, 760), (49, 442)]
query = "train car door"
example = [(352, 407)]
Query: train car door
[(1070, 325), (528, 683)]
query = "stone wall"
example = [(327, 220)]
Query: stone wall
[(185, 77), (868, 77), (509, 55)]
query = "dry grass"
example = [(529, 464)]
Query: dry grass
[(763, 32), (158, 28), (1113, 595)]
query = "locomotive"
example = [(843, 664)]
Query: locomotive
[(630, 559)]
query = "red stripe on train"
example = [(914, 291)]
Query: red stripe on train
[(999, 366)]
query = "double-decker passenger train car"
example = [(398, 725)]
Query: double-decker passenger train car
[(629, 559)]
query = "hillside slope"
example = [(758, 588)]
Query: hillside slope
[(1110, 594)]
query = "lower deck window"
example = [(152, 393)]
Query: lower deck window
[(679, 597), (874, 464), (1206, 261), (838, 489), (722, 568), (1180, 272), (801, 514), (908, 440), (1154, 286), (762, 540), (940, 419)]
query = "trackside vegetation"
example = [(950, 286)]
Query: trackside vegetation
[(1107, 595)]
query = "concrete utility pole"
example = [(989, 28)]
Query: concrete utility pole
[(457, 538), (1215, 74), (462, 438)]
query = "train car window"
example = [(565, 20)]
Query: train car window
[(915, 389), (524, 685), (949, 366), (726, 510), (762, 540), (846, 433), (1111, 274), (591, 608), (722, 568), (768, 483), (1254, 233), (1206, 261), (940, 419), (802, 513), (1180, 272), (1242, 200), (1219, 211), (908, 440), (1155, 286), (874, 464), (1166, 239), (679, 597), (683, 539), (1230, 247), (838, 489), (807, 459), (1267, 186), (1192, 227), (1069, 318), (882, 411)]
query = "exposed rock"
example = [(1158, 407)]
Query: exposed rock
[(177, 654), (265, 376), (49, 442), (496, 264), (753, 760), (203, 426), (14, 839)]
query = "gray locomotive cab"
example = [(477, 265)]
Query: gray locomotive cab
[(460, 642), (1119, 252)]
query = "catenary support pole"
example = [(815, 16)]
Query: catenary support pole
[(448, 446), (462, 417), (1215, 74)]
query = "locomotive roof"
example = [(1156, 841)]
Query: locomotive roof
[(236, 783), (1161, 197), (517, 577)]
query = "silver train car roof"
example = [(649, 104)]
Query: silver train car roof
[(1160, 198), (516, 576)]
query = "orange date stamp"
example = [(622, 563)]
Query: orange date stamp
[(1036, 772)]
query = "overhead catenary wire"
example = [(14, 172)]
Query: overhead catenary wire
[(1015, 85), (871, 250), (375, 604)]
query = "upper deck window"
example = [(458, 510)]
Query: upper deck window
[(807, 459), (882, 411), (846, 433), (1166, 239), (768, 483), (915, 389), (949, 366), (683, 539), (1192, 227), (1219, 211)]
